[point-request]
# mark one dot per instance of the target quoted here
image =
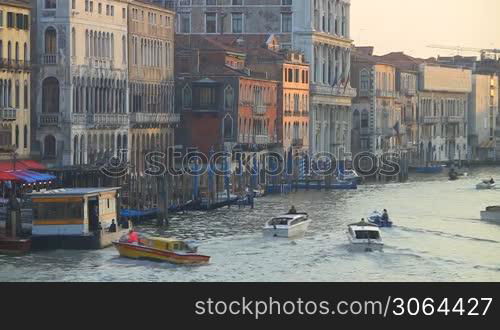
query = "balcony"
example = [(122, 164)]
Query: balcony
[(389, 94), (333, 91), (100, 63), (49, 119), (298, 143), (454, 119), (259, 109), (8, 114), (430, 120), (262, 139), (159, 118), (50, 59), (11, 64), (109, 119)]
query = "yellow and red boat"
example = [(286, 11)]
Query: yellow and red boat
[(162, 249)]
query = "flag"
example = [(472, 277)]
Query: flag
[(347, 81), (397, 129)]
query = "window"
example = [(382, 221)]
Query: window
[(107, 10), (237, 2), (207, 97), (211, 2), (228, 127), (50, 41), (186, 97), (50, 95), (124, 13), (49, 147), (211, 23), (17, 95), (50, 4), (286, 22), (26, 95), (17, 136), (10, 20), (184, 23), (364, 80), (73, 4), (1, 18), (286, 2), (99, 8), (25, 136), (237, 23), (228, 98)]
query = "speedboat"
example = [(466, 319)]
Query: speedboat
[(162, 249), (288, 225), (492, 213), (350, 176), (486, 184), (365, 237), (376, 219)]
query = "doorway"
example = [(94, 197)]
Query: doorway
[(93, 207)]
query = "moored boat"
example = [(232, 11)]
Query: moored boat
[(429, 169), (162, 249), (288, 225), (14, 245), (364, 236), (492, 213), (350, 176)]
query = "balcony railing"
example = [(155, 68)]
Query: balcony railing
[(161, 118), (430, 120), (454, 119), (8, 114), (100, 63), (298, 142), (50, 59), (6, 63), (109, 119), (49, 119), (261, 139), (384, 93), (259, 109), (336, 91)]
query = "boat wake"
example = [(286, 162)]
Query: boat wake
[(448, 235)]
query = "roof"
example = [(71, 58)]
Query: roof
[(17, 3), (73, 192), (364, 224)]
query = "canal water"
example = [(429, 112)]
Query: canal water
[(438, 236)]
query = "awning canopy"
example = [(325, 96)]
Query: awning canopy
[(29, 177), (21, 165), (487, 145), (32, 177)]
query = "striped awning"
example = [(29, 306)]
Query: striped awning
[(28, 177), (487, 145)]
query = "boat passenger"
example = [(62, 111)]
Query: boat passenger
[(385, 216), (492, 181), (292, 210), (112, 227), (133, 238)]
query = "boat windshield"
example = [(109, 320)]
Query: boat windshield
[(367, 234), (279, 222), (297, 221)]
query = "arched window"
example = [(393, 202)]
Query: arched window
[(17, 52), (50, 41), (17, 136), (25, 54), (124, 49), (75, 150), (364, 119), (49, 147), (25, 136), (73, 42), (227, 127), (50, 95), (186, 97), (228, 98)]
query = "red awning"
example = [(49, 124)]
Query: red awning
[(21, 165), (6, 176)]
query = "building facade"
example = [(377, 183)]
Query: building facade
[(81, 89), (377, 122), (151, 81), (292, 71), (322, 33), (482, 117), (15, 79), (443, 107)]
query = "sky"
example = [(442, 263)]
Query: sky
[(412, 25)]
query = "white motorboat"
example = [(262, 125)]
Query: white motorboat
[(350, 175), (486, 184), (492, 213), (365, 236), (288, 225)]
